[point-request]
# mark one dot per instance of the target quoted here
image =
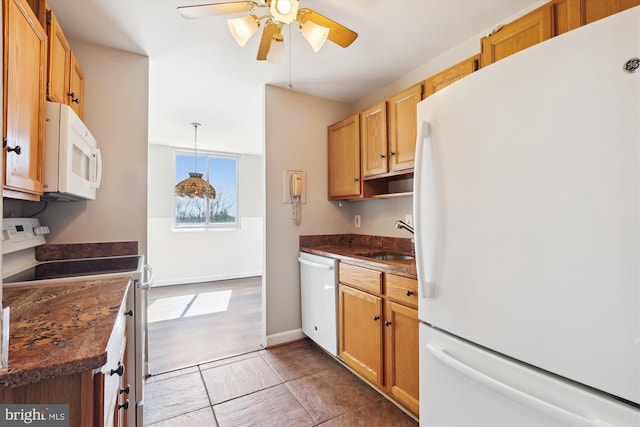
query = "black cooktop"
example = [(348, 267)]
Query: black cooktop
[(75, 268)]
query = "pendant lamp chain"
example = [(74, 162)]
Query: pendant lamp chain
[(195, 145)]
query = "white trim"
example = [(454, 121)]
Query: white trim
[(213, 278), (284, 337)]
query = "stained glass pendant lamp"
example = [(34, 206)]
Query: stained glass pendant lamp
[(195, 185)]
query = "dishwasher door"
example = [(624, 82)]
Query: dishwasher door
[(318, 295)]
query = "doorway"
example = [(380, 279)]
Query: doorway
[(195, 323)]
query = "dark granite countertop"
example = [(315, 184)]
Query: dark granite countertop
[(59, 329), (350, 247)]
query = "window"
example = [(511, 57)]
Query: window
[(221, 170)]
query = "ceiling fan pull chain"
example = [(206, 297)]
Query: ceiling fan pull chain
[(290, 86)]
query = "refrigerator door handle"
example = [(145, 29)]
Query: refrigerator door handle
[(561, 414), (422, 258)]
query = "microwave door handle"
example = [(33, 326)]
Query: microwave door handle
[(97, 169)]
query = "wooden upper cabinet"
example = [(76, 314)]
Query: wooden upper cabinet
[(76, 87), (592, 10), (403, 128), (343, 146), (65, 77), (526, 31), (59, 61), (571, 14), (373, 130), (450, 75), (25, 44)]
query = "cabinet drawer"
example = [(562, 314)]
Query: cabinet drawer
[(402, 289), (361, 278)]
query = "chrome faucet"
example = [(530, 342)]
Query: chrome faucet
[(402, 224)]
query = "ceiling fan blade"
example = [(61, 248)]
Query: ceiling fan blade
[(216, 9), (339, 34), (270, 29)]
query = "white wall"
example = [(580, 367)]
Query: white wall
[(198, 255), (295, 138), (115, 110)]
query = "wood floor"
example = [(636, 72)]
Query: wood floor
[(198, 323)]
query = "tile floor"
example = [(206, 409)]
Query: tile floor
[(292, 385)]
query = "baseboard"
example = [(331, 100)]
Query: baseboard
[(284, 337), (188, 281)]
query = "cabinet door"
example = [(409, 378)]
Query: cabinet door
[(401, 352), (76, 87), (59, 59), (567, 15), (526, 31), (451, 75), (373, 125), (402, 128), (25, 53), (360, 332), (343, 145), (598, 9)]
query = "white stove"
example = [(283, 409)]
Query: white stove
[(20, 237)]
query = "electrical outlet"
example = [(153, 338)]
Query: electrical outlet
[(409, 220), (356, 221)]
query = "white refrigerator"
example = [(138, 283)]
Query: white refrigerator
[(527, 219)]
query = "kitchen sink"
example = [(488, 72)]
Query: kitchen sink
[(385, 256)]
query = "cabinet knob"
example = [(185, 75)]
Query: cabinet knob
[(376, 317), (356, 179), (409, 293), (119, 370), (76, 100), (124, 405), (129, 313), (17, 148), (392, 153), (387, 323), (382, 156), (126, 390)]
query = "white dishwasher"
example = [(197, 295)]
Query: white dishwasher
[(319, 296)]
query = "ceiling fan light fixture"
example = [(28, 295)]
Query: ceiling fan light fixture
[(243, 28), (284, 11), (276, 50), (315, 34)]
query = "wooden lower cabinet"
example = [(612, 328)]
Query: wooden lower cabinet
[(360, 332), (401, 354), (75, 390), (378, 331)]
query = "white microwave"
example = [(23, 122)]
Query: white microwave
[(73, 166)]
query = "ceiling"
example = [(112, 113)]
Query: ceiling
[(197, 72)]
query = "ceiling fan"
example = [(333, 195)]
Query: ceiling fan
[(315, 28)]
